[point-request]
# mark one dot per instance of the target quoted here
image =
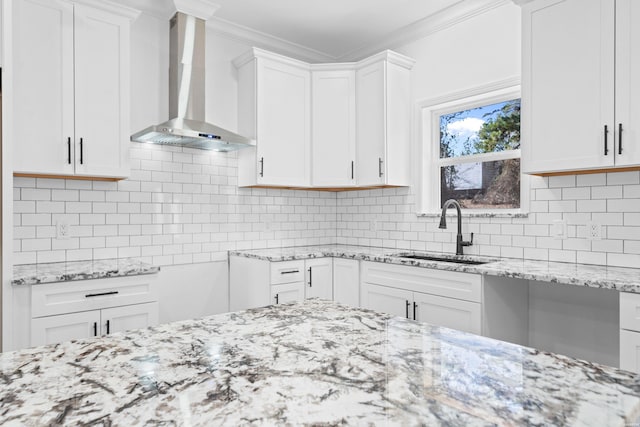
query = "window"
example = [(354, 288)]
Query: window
[(472, 152)]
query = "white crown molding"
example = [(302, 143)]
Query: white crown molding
[(521, 2), (111, 7), (459, 12), (253, 37), (389, 56), (203, 9), (256, 52)]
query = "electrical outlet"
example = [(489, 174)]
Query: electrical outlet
[(62, 230), (594, 231), (559, 229)]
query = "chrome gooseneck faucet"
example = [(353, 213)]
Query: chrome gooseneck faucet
[(443, 225)]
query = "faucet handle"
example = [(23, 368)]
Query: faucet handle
[(469, 243)]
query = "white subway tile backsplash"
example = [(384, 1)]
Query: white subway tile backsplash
[(183, 206)]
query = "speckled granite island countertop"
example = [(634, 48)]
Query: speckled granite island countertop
[(315, 362), (35, 274), (594, 276)]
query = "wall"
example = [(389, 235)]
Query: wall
[(479, 51)]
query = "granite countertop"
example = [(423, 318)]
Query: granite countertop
[(315, 362), (35, 274), (594, 276)]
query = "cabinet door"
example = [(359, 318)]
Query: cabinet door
[(630, 351), (627, 83), (371, 124), (346, 281), (393, 301), (287, 293), (319, 280), (334, 128), (449, 312), (129, 317), (102, 93), (568, 85), (43, 86), (65, 327), (283, 123)]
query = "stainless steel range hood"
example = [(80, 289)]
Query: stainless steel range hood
[(186, 95)]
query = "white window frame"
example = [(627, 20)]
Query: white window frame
[(429, 112)]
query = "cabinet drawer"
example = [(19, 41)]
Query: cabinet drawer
[(451, 284), (630, 311), (287, 272), (84, 295)]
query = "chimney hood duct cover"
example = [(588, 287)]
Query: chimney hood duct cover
[(186, 95)]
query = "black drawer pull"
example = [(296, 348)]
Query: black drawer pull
[(290, 271), (606, 142), (95, 329), (81, 151), (277, 298), (406, 307), (101, 294), (69, 150), (108, 327)]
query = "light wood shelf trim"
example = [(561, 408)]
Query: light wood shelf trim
[(75, 177)]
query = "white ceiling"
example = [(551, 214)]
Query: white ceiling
[(332, 27), (327, 29)]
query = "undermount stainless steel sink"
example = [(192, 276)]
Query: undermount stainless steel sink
[(466, 261)]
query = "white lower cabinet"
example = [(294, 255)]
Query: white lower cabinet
[(387, 300), (450, 312), (346, 281), (138, 316), (451, 299), (319, 278), (256, 283), (289, 292), (65, 327), (87, 308), (630, 351), (630, 331)]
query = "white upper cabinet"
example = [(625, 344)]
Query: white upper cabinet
[(71, 91), (627, 108), (326, 126), (334, 128), (43, 87), (275, 110), (580, 86), (101, 92), (383, 120)]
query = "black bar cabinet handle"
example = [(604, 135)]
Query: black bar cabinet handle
[(290, 271), (351, 169), (69, 150), (261, 166), (101, 294), (415, 306), (606, 142), (95, 329), (310, 285), (406, 308), (276, 298), (619, 138), (81, 151), (380, 173), (108, 327)]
